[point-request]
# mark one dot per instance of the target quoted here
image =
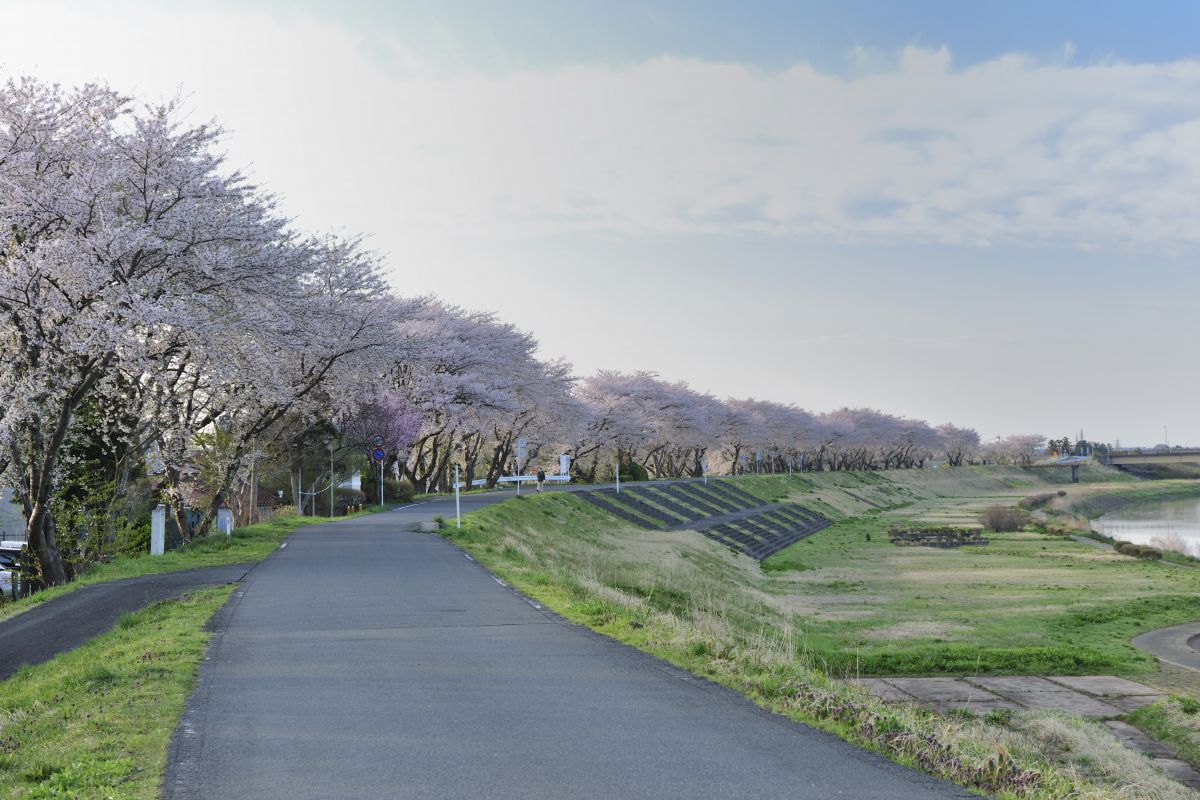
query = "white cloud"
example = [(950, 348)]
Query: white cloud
[(1009, 151)]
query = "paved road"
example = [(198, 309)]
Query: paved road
[(66, 622), (366, 661), (1175, 645)]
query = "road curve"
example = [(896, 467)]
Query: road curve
[(63, 623), (368, 661), (1173, 645)]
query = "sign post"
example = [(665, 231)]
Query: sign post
[(457, 509), (377, 455), (521, 445), (617, 472)]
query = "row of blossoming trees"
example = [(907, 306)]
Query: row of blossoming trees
[(160, 317)]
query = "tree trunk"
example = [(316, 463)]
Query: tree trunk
[(39, 531)]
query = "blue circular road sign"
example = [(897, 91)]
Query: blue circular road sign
[(378, 454)]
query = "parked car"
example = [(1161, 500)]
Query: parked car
[(9, 553)]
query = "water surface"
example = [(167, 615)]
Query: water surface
[(1142, 523)]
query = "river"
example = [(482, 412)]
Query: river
[(1141, 523)]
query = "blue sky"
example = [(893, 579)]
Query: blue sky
[(537, 34), (976, 212)]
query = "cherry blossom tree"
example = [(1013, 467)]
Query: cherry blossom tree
[(154, 302), (124, 236), (957, 444), (1019, 450)]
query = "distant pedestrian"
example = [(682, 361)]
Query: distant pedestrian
[(541, 476)]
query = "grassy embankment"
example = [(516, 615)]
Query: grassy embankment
[(838, 604), (94, 723), (252, 543)]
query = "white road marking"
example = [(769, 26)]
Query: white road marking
[(283, 545)]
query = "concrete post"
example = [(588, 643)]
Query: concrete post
[(225, 521), (158, 530)]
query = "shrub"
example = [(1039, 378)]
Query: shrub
[(1037, 500), (1172, 542), (1004, 518), (1137, 550), (400, 491), (634, 471), (346, 499), (133, 540), (1055, 528)]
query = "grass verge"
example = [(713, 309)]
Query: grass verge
[(714, 613), (252, 543), (94, 723), (1176, 721)]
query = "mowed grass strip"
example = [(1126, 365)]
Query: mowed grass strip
[(245, 545), (1025, 603), (94, 723)]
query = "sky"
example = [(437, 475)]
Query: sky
[(983, 213)]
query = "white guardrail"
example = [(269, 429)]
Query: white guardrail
[(523, 479)]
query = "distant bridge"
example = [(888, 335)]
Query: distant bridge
[(1175, 455), (1074, 462)]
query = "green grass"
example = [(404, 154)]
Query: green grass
[(1025, 603), (94, 723), (1175, 721), (837, 605), (687, 600), (252, 543)]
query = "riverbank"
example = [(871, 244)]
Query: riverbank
[(840, 604), (1097, 502)]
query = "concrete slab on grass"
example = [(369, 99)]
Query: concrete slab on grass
[(1135, 739), (1039, 693), (943, 690), (1179, 770), (1095, 696), (883, 689), (1105, 685)]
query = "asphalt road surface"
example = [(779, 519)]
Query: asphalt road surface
[(366, 661), (1178, 645), (66, 622)]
